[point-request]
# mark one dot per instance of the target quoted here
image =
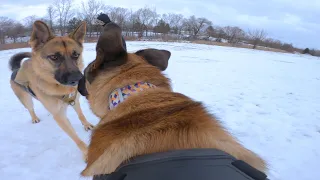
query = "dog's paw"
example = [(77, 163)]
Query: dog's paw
[(35, 121), (88, 127)]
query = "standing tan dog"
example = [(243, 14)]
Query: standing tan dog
[(139, 112), (51, 75)]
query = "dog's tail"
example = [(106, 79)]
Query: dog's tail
[(15, 60)]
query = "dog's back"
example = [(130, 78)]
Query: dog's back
[(139, 112), (160, 121)]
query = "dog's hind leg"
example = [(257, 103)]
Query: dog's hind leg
[(26, 99), (65, 125), (85, 123)]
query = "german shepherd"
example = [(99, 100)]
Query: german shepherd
[(140, 114), (51, 75)]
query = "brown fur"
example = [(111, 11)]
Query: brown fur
[(154, 120), (39, 73), (130, 72)]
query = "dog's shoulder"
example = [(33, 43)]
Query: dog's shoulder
[(149, 122)]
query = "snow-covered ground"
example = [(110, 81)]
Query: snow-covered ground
[(270, 101)]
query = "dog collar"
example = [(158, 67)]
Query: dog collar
[(70, 98), (119, 95)]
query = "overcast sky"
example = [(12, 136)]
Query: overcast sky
[(292, 21)]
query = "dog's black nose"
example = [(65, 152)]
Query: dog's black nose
[(73, 78)]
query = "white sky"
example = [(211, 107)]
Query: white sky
[(292, 21)]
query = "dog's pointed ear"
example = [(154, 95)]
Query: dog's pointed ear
[(79, 33), (41, 34), (155, 57), (110, 46)]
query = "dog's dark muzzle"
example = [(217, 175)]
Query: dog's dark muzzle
[(68, 78)]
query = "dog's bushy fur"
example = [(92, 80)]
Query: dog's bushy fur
[(154, 120), (15, 60)]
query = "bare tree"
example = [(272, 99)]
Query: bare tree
[(175, 21), (147, 18), (315, 52), (272, 43), (118, 15), (289, 48), (64, 13), (137, 25), (90, 11), (28, 21), (195, 25), (257, 36), (129, 24), (111, 13), (5, 26), (73, 24), (233, 34), (219, 33), (123, 15), (210, 31), (16, 30), (51, 13), (162, 27)]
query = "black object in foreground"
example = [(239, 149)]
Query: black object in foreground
[(188, 164)]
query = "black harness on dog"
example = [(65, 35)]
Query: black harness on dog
[(24, 87), (191, 164)]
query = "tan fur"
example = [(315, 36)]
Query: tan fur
[(38, 73), (154, 120)]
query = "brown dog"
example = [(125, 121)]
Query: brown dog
[(139, 112), (51, 75)]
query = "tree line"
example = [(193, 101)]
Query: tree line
[(64, 15)]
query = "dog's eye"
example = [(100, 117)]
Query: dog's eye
[(53, 57), (75, 54)]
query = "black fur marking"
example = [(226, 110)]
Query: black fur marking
[(79, 43), (64, 44), (15, 60), (26, 88)]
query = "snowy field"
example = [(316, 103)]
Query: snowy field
[(269, 101)]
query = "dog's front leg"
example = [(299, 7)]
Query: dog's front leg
[(64, 124), (87, 126)]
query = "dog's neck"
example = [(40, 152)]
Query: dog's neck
[(66, 94), (119, 95)]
